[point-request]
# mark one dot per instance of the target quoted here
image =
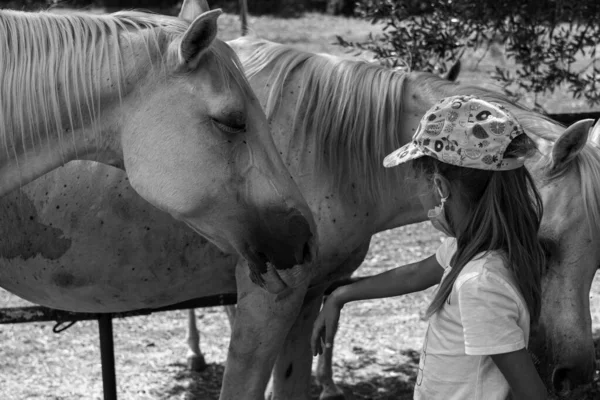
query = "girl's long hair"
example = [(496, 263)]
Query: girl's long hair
[(505, 212)]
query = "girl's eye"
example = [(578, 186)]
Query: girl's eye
[(229, 127)]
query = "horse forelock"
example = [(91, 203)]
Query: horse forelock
[(588, 164), (230, 67), (353, 108)]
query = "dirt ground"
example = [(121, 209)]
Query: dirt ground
[(377, 345)]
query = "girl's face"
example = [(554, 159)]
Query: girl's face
[(429, 198)]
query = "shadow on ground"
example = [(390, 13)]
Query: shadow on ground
[(206, 385), (190, 385), (395, 382)]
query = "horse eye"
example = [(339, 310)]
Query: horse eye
[(482, 116), (551, 249), (230, 127)]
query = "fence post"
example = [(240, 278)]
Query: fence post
[(244, 16), (107, 357)]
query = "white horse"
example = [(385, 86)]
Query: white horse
[(160, 97), (332, 121)]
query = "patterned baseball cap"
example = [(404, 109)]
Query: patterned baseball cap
[(464, 131)]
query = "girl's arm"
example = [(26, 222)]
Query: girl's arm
[(518, 369), (395, 282)]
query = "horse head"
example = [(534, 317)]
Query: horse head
[(567, 177), (209, 160)]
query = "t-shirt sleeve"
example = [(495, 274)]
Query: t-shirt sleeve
[(489, 313), (445, 252)]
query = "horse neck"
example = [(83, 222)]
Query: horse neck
[(75, 114), (369, 208)]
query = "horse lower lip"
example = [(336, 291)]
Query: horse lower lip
[(293, 277), (273, 282)]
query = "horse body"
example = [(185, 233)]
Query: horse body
[(337, 166), (162, 98), (99, 248)]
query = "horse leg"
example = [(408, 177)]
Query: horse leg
[(324, 373), (329, 390), (261, 324), (195, 359), (292, 371)]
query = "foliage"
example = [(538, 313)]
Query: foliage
[(552, 42)]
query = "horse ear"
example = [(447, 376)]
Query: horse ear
[(595, 133), (191, 9), (198, 38), (570, 143)]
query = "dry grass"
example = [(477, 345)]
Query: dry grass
[(377, 344)]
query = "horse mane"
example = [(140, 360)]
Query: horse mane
[(51, 67), (588, 165), (355, 106)]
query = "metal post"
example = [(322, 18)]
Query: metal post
[(107, 356), (244, 16)]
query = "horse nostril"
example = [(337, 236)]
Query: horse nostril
[(561, 381), (306, 254)]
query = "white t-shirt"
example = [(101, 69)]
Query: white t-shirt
[(485, 314)]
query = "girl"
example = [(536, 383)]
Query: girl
[(471, 154)]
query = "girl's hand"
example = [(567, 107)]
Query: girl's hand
[(524, 380), (398, 281), (326, 324)]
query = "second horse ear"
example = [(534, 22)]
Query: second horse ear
[(570, 143), (197, 39), (192, 9), (453, 72)]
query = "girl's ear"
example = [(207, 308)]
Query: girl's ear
[(442, 185)]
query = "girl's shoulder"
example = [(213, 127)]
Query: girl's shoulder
[(485, 269), (491, 264), (488, 272)]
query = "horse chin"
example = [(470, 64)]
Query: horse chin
[(265, 274), (272, 282), (268, 280), (293, 277), (279, 281)]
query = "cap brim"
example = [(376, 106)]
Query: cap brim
[(408, 152)]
